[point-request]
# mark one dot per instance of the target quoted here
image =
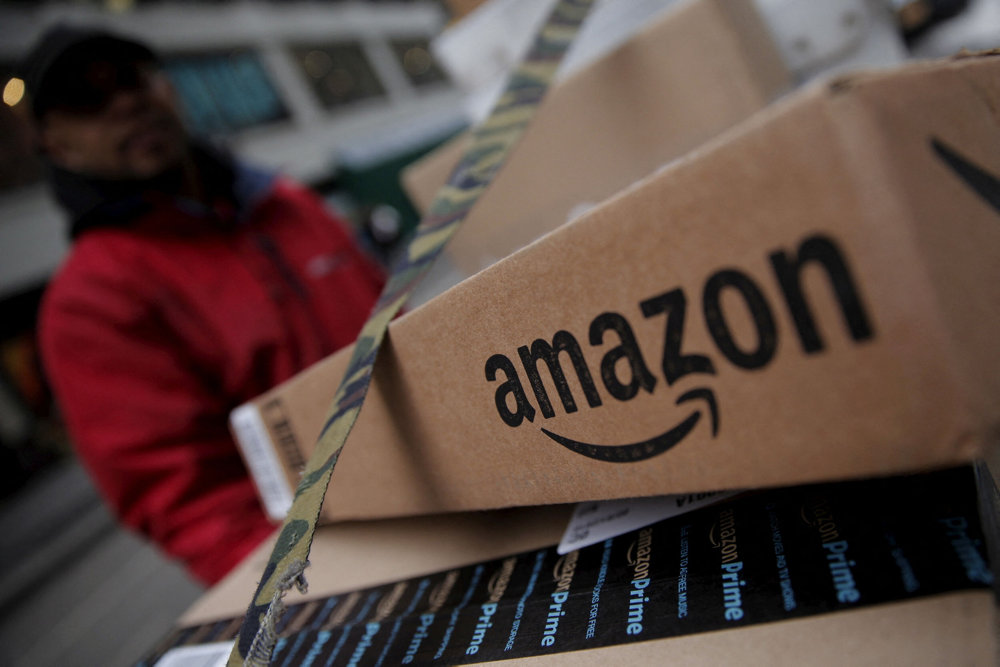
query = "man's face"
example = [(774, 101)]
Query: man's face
[(122, 124)]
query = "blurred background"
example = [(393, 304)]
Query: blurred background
[(341, 95)]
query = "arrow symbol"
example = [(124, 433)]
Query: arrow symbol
[(646, 449), (985, 184)]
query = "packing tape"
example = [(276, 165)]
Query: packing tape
[(491, 143)]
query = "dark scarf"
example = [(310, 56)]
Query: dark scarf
[(93, 203)]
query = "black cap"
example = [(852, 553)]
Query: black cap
[(54, 69)]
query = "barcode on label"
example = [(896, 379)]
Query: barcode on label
[(265, 468)]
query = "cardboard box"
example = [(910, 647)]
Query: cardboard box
[(811, 297), (460, 8), (885, 571), (701, 68)]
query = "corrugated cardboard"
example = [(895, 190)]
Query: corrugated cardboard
[(460, 8), (812, 297), (703, 67), (355, 554)]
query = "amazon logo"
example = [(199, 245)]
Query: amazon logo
[(982, 182), (521, 394)]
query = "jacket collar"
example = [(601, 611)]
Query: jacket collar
[(95, 203)]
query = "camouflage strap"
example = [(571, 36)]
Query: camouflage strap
[(491, 143)]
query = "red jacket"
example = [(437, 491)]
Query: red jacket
[(154, 329)]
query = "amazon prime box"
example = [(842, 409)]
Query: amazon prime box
[(692, 72), (811, 297), (878, 571)]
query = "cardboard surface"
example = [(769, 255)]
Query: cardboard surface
[(703, 67), (352, 555), (836, 279), (460, 8)]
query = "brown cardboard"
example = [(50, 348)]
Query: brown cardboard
[(847, 169), (703, 67), (352, 555), (460, 8)]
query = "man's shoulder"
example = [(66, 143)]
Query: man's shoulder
[(295, 204), (101, 251), (98, 263), (286, 190)]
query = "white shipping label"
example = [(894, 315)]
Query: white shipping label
[(265, 468), (201, 655), (596, 521)]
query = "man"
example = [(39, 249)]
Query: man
[(194, 283)]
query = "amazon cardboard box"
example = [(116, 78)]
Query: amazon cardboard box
[(811, 297), (879, 571), (702, 67)]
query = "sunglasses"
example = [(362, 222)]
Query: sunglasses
[(87, 87)]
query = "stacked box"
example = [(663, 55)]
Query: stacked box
[(811, 297)]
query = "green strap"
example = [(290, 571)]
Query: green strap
[(491, 142)]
